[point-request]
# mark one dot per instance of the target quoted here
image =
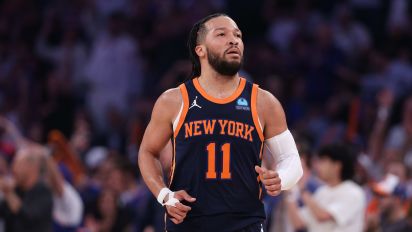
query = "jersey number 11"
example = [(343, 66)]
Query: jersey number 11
[(211, 161)]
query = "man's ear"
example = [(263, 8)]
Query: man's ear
[(200, 50)]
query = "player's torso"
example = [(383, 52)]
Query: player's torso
[(215, 152)]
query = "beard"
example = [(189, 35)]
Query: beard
[(222, 66)]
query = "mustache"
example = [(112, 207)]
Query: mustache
[(231, 48)]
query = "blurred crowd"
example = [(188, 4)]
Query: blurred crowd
[(78, 80)]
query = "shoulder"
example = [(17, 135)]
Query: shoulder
[(322, 191), (352, 189), (271, 114), (266, 100), (168, 104), (171, 96)]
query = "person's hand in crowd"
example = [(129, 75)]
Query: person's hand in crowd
[(5, 124), (11, 130), (385, 98), (7, 185)]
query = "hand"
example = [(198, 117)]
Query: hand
[(385, 98), (178, 212), (270, 179), (5, 124), (7, 185)]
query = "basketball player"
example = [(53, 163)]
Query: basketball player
[(218, 123)]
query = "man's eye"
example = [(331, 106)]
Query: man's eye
[(221, 34), (239, 35)]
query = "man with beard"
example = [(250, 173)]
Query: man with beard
[(218, 123)]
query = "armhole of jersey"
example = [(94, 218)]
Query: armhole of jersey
[(176, 121), (183, 111), (255, 115)]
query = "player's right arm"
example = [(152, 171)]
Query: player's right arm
[(157, 134)]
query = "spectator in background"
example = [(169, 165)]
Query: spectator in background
[(321, 77), (67, 205), (28, 202), (4, 171), (400, 69), (349, 36), (339, 205), (68, 55), (398, 18), (58, 105), (279, 221), (376, 77), (283, 27), (398, 146), (392, 207), (113, 72), (385, 101), (134, 196), (108, 216)]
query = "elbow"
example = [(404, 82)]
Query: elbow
[(140, 160), (291, 178), (140, 157)]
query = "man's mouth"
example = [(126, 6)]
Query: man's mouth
[(233, 51)]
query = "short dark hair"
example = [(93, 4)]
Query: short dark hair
[(340, 153), (198, 29)]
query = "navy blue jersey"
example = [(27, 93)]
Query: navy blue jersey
[(217, 144)]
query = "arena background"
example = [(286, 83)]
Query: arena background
[(81, 77)]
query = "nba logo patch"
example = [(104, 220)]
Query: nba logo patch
[(242, 104)]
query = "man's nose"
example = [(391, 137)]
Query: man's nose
[(234, 40)]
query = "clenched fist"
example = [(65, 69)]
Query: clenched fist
[(179, 211), (270, 179)]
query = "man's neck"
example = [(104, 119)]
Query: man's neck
[(30, 183), (217, 85)]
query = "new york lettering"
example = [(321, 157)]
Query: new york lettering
[(219, 126)]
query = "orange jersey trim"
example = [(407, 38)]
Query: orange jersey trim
[(260, 157), (231, 98), (185, 98), (261, 151), (255, 113), (173, 167)]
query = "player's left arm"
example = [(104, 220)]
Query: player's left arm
[(280, 143)]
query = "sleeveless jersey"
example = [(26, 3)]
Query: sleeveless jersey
[(217, 144)]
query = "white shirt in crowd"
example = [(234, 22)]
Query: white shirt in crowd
[(68, 209), (346, 203)]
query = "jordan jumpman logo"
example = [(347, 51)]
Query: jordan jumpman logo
[(194, 103)]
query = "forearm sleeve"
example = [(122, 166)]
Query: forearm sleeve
[(283, 149)]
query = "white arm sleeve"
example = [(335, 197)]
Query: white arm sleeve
[(68, 209), (283, 149)]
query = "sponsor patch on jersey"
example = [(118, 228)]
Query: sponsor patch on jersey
[(242, 104)]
